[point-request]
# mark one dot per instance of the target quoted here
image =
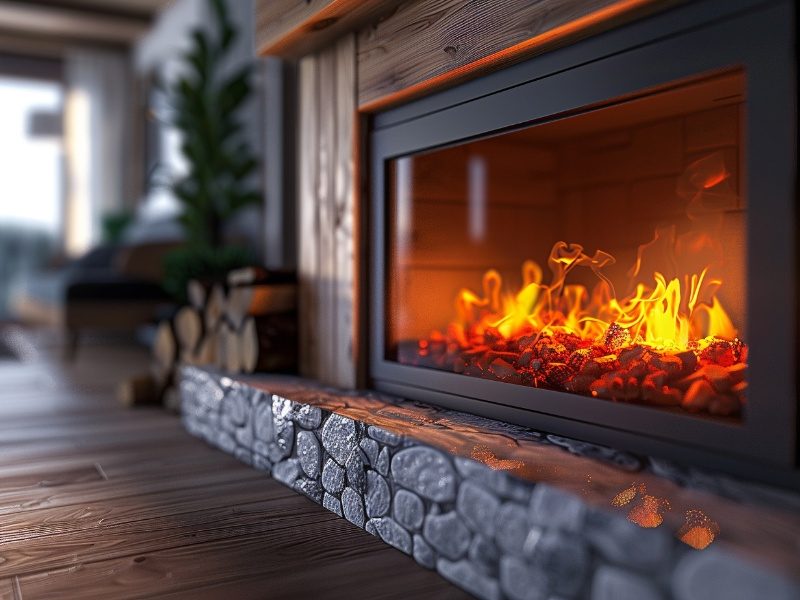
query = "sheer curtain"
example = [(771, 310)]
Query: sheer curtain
[(97, 122)]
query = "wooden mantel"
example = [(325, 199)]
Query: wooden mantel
[(360, 56), (406, 49)]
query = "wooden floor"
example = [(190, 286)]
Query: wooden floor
[(97, 501)]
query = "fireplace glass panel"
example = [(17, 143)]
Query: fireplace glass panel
[(599, 253)]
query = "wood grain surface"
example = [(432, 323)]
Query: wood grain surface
[(98, 501), (326, 237), (293, 28), (428, 44)]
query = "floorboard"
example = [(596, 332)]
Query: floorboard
[(266, 560), (99, 501), (6, 589)]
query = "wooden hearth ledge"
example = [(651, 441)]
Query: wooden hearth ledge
[(759, 524)]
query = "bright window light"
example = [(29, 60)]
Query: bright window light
[(31, 179)]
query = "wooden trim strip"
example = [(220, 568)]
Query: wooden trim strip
[(317, 28), (592, 22)]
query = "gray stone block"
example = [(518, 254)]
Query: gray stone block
[(464, 575), (382, 464), (370, 528), (308, 451), (521, 581), (613, 583), (287, 471), (225, 441), (370, 449), (383, 436), (714, 573), (423, 553), (377, 498), (226, 424), (236, 405), (425, 471), (550, 507), (332, 503), (618, 540), (478, 507), (511, 528), (284, 431), (353, 507), (305, 415), (244, 455), (332, 477), (408, 509), (484, 555), (244, 437), (262, 419), (447, 534), (309, 487), (500, 482), (339, 437), (261, 448), (262, 463), (392, 533), (564, 557), (356, 475)]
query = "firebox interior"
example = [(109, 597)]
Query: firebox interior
[(647, 185)]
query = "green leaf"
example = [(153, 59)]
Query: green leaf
[(220, 161)]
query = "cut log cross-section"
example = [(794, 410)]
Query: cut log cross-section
[(257, 300), (215, 306), (232, 353), (196, 293), (165, 354), (188, 331)]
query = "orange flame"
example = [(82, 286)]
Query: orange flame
[(664, 314)]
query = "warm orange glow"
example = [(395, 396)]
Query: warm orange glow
[(660, 336), (647, 513), (485, 455), (699, 530), (627, 495), (665, 314), (667, 342)]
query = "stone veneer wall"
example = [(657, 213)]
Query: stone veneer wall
[(490, 533)]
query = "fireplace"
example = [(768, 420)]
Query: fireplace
[(602, 247)]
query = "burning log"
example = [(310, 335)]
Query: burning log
[(698, 396), (635, 373), (668, 343), (616, 338)]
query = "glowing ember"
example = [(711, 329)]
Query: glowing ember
[(647, 513), (669, 342), (699, 530), (627, 495)]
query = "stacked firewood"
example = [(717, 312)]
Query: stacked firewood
[(246, 324)]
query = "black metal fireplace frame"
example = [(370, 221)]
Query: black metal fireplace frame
[(684, 42)]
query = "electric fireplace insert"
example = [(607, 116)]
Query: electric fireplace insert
[(600, 242)]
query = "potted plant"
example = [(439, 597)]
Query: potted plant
[(218, 182)]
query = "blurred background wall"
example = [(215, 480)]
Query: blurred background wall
[(86, 148)]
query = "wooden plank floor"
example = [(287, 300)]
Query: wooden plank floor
[(97, 501)]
